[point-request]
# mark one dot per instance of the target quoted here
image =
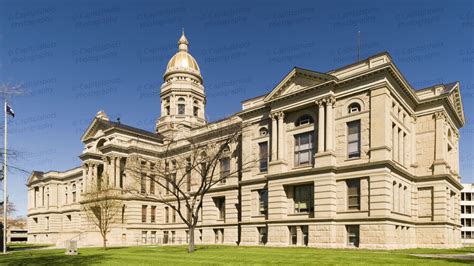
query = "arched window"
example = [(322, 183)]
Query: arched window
[(226, 148), (263, 131), (101, 143), (181, 106), (353, 108), (304, 120)]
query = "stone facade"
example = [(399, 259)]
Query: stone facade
[(354, 157)]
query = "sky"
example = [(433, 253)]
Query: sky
[(74, 58)]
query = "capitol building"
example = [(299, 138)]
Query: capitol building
[(354, 157)]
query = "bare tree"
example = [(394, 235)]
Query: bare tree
[(102, 206), (186, 173)]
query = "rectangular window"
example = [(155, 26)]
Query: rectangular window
[(225, 169), (263, 156), (303, 198), (353, 194), (262, 235), (153, 237), (468, 222), (195, 111), (303, 148), (167, 214), (462, 209), (468, 196), (220, 205), (152, 185), (305, 234), (144, 234), (262, 201), (173, 236), (462, 195), (293, 235), (144, 207), (352, 235), (181, 109), (143, 184), (165, 237), (153, 214), (353, 139), (173, 212), (73, 197)]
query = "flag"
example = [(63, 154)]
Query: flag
[(10, 111)]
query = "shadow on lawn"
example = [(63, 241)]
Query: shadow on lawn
[(28, 258)]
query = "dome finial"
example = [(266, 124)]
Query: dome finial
[(183, 42)]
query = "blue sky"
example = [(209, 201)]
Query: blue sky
[(75, 58)]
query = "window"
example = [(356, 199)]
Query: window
[(462, 195), (303, 148), (153, 214), (153, 237), (152, 185), (144, 234), (304, 120), (304, 232), (181, 106), (263, 131), (73, 197), (303, 198), (263, 156), (468, 196), (36, 195), (462, 209), (144, 213), (165, 237), (196, 111), (167, 214), (352, 235), (173, 236), (225, 169), (143, 184), (353, 108), (353, 139), (167, 110), (353, 194), (219, 236), (262, 235), (220, 205), (293, 235), (173, 212), (188, 174), (262, 201)]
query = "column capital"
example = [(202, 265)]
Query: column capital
[(414, 117), (330, 100), (281, 115), (320, 102)]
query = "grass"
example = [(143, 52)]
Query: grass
[(229, 255), (20, 246)]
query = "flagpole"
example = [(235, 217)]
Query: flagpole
[(5, 182)]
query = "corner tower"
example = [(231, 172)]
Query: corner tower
[(182, 93)]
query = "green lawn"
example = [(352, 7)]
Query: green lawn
[(213, 255)]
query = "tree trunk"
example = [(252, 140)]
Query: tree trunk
[(104, 242), (191, 247)]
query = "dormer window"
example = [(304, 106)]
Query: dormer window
[(181, 106), (263, 132), (167, 110), (304, 120), (353, 108)]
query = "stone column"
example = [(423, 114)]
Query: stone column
[(95, 177), (330, 123), (116, 171), (320, 126), (395, 143), (413, 141), (84, 178), (274, 137), (281, 136), (440, 144)]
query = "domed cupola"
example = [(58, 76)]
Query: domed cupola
[(182, 95), (182, 63)]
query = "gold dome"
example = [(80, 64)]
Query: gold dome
[(183, 61)]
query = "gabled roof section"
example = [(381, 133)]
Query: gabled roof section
[(105, 125), (455, 98), (297, 79), (35, 175)]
